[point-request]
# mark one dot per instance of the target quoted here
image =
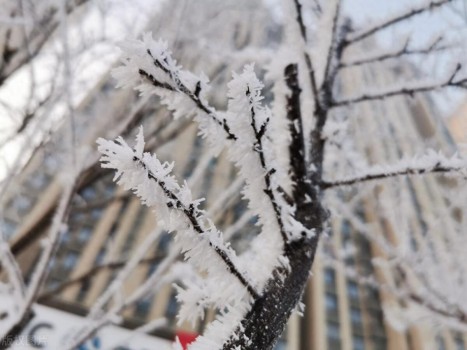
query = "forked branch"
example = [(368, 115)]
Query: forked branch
[(432, 5), (410, 91), (180, 86), (118, 155), (446, 166), (403, 51)]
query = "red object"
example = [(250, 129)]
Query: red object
[(186, 338)]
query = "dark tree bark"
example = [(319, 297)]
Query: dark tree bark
[(265, 322)]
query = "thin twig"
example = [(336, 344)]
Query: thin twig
[(397, 19), (387, 175), (410, 91), (403, 51)]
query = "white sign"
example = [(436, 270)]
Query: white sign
[(50, 329)]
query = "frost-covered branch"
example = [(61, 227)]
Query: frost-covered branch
[(431, 163), (186, 96), (259, 132), (409, 91), (151, 180), (148, 64), (428, 6)]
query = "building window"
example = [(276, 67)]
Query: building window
[(89, 194), (459, 342), (53, 283), (152, 268), (38, 181), (281, 345), (22, 204), (64, 237), (52, 264), (352, 290), (164, 242), (96, 213), (172, 308), (356, 316), (100, 256), (142, 308), (333, 330), (377, 320), (372, 294), (346, 230), (330, 278), (358, 343), (84, 234), (440, 343), (379, 343), (70, 260), (331, 303), (8, 228), (333, 334)]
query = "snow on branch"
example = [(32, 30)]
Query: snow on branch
[(432, 162), (428, 6), (254, 155), (149, 67), (410, 91), (200, 241)]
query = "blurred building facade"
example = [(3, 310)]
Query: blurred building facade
[(344, 310)]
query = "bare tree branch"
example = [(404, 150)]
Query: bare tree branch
[(336, 46), (40, 272), (15, 58), (450, 311), (314, 85), (308, 62), (403, 51), (397, 19), (91, 273), (437, 169), (410, 91)]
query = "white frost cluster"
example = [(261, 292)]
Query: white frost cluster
[(245, 128), (177, 86), (152, 181), (247, 116)]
